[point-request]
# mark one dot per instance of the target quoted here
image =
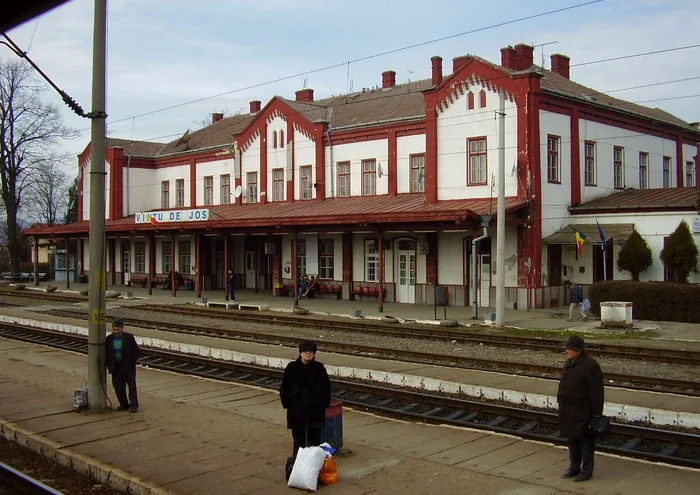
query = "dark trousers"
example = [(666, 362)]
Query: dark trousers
[(120, 379), (581, 454), (300, 436), (231, 295)]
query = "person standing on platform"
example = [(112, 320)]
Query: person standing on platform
[(575, 300), (122, 354), (581, 396), (231, 283), (305, 394)]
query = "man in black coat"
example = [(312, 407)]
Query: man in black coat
[(580, 398), (306, 394), (122, 354)]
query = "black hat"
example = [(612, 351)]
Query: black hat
[(307, 345), (118, 322), (575, 342)]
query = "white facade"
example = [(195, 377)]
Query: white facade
[(405, 147), (86, 189), (304, 156), (355, 153), (250, 162), (214, 169)]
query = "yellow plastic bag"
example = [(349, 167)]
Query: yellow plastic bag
[(329, 472)]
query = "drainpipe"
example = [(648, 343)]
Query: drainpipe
[(485, 219), (128, 165)]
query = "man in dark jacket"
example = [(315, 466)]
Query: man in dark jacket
[(231, 285), (575, 300), (306, 394), (122, 354), (580, 398)]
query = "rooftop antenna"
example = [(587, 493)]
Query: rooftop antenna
[(306, 82), (542, 45)]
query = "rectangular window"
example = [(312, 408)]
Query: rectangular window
[(251, 179), (325, 259), (643, 170), (666, 173), (371, 260), (689, 174), (184, 250), (477, 161), (165, 194), (278, 184), (343, 179), (301, 258), (305, 182), (619, 167), (589, 162), (225, 189), (180, 193), (369, 177), (553, 171), (208, 190), (417, 173), (140, 257), (167, 248)]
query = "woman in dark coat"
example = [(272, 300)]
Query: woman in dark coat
[(580, 398), (306, 394)]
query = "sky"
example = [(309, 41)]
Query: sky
[(163, 53)]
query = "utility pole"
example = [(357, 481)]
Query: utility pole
[(97, 379), (501, 215)]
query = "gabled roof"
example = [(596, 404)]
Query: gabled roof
[(669, 199), (217, 134), (143, 149)]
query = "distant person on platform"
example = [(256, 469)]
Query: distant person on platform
[(580, 397), (231, 283), (122, 354), (311, 288), (575, 300), (306, 394)]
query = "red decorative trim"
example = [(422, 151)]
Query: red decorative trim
[(320, 162), (392, 165), (469, 156), (81, 178), (680, 173), (533, 234), (376, 133), (193, 184), (697, 166), (263, 190), (575, 159), (290, 166), (284, 110), (482, 99), (470, 100), (431, 149)]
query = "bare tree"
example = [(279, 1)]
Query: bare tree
[(30, 131), (47, 194)]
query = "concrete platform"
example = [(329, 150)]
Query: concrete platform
[(196, 436), (225, 304)]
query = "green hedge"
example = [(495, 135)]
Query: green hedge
[(660, 301)]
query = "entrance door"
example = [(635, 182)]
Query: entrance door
[(250, 273), (485, 285), (126, 262), (406, 283)]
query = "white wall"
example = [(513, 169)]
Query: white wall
[(216, 169), (406, 146), (555, 197), (304, 155), (250, 162), (689, 153), (86, 189), (355, 153), (450, 258), (455, 126)]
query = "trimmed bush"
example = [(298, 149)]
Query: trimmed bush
[(635, 256), (680, 255), (659, 301)]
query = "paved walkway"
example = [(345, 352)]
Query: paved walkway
[(195, 436)]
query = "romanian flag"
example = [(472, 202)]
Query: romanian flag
[(580, 238), (153, 220)]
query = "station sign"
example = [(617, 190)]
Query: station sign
[(156, 217), (696, 225)]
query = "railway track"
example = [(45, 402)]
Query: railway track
[(16, 482), (617, 380), (42, 296), (659, 445), (435, 333)]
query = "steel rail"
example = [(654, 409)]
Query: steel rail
[(23, 484)]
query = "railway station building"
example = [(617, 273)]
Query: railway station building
[(385, 193)]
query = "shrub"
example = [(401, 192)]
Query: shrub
[(680, 255), (635, 256), (659, 301)]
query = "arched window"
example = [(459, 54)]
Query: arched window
[(482, 99), (274, 139), (470, 100), (281, 139)]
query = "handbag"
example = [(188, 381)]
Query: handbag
[(585, 305), (599, 427)]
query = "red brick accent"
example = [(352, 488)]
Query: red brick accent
[(525, 55), (193, 183), (680, 174), (291, 177), (431, 259), (560, 64), (255, 106), (81, 178), (347, 260), (115, 157), (277, 259), (458, 62), (697, 166), (436, 63), (305, 95), (320, 149), (431, 150), (388, 79), (509, 58), (575, 159), (262, 177), (392, 164), (216, 116)]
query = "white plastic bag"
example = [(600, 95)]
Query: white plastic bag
[(80, 396), (308, 464)]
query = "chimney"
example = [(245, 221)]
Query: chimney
[(216, 116), (254, 107), (305, 95), (560, 64), (437, 70), (458, 62), (509, 58), (525, 56), (388, 79)]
